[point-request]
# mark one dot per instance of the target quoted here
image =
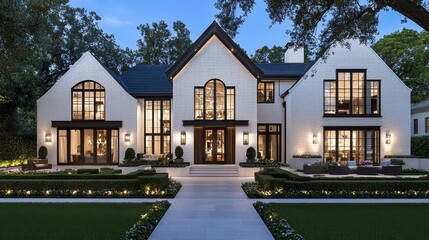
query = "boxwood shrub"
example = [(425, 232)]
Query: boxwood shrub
[(87, 171), (420, 146)]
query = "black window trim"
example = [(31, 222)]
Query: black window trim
[(366, 80), (225, 101), (416, 126), (83, 90), (351, 128), (265, 91), (161, 134), (267, 133)]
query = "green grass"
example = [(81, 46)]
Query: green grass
[(357, 221), (68, 220)]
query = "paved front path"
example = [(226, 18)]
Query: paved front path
[(211, 208)]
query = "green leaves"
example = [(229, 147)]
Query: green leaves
[(406, 53), (159, 46)]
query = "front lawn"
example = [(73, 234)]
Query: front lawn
[(68, 220), (357, 221)]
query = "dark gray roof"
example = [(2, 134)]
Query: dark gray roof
[(147, 80), (284, 70), (420, 106)]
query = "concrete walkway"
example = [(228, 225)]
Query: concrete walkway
[(211, 208)]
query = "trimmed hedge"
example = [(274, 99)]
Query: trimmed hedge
[(137, 184), (16, 147), (157, 181), (88, 171), (420, 146), (279, 184)]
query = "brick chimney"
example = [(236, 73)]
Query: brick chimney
[(293, 55)]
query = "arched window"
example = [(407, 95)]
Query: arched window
[(214, 101), (88, 100)]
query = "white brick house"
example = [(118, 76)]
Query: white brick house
[(215, 102)]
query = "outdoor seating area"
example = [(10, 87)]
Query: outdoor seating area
[(388, 167)]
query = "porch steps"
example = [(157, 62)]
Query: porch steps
[(213, 171)]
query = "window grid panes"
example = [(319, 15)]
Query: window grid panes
[(344, 145), (214, 101), (351, 94), (265, 92), (269, 141), (88, 101), (330, 97), (157, 126)]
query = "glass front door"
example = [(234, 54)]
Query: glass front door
[(214, 146)]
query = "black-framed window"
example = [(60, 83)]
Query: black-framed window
[(269, 141), (214, 101), (88, 146), (88, 101), (427, 125), (354, 143), (266, 92), (157, 136), (351, 93), (416, 126)]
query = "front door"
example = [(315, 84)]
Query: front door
[(214, 142)]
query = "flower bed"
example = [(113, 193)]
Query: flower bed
[(279, 227), (145, 225)]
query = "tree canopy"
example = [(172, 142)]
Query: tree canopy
[(321, 23), (407, 53), (159, 46)]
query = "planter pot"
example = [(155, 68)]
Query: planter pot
[(178, 160), (250, 160)]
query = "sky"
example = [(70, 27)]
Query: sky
[(121, 19)]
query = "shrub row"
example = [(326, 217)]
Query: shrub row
[(279, 227), (145, 225), (16, 147), (12, 163), (154, 185), (420, 146), (64, 175)]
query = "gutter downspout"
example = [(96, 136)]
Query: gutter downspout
[(285, 139)]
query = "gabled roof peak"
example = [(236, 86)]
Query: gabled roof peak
[(214, 30)]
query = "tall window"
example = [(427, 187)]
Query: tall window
[(266, 92), (157, 126), (416, 126), (342, 145), (427, 125), (88, 100), (269, 141), (214, 101), (351, 94)]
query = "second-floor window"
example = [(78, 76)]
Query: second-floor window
[(214, 101), (88, 99), (266, 92), (351, 94)]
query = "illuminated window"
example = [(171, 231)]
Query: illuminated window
[(88, 100), (266, 92), (157, 126), (351, 94), (214, 101)]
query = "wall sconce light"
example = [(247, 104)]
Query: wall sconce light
[(48, 137), (245, 138), (183, 138), (314, 138), (127, 137), (388, 138)]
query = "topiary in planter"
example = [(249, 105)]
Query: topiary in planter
[(43, 152), (250, 154), (396, 161), (179, 154), (130, 154)]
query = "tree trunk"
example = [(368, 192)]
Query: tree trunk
[(415, 12)]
